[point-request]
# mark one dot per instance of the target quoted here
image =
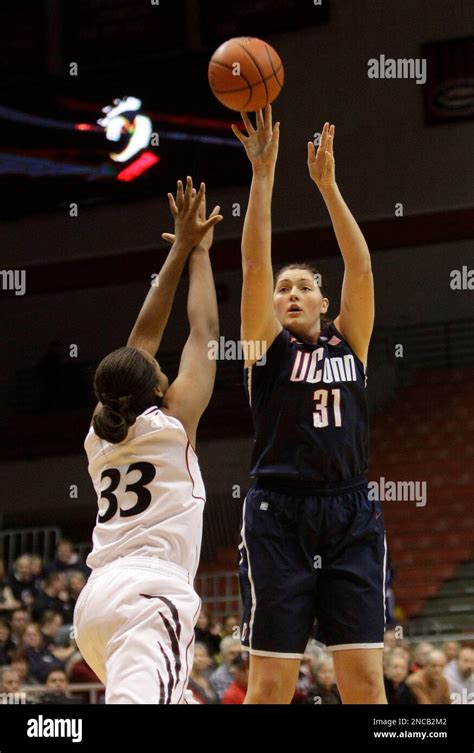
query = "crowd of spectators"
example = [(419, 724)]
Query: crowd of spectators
[(37, 649), (38, 654)]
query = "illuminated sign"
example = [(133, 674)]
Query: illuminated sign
[(124, 118)]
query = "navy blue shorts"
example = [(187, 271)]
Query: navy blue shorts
[(311, 558)]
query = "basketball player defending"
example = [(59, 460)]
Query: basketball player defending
[(312, 540), (135, 618)]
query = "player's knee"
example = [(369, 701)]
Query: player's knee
[(372, 689), (368, 685), (270, 690)]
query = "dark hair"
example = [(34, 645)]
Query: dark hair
[(315, 273), (58, 669), (124, 383), (19, 655)]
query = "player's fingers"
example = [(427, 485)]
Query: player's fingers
[(199, 201), (248, 123), (332, 133), (311, 152), (215, 211), (324, 135), (268, 117), (187, 193), (180, 195), (276, 131), (173, 207), (239, 134), (212, 221), (260, 120), (168, 237)]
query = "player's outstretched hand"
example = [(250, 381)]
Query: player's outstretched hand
[(189, 213), (261, 143), (321, 163)]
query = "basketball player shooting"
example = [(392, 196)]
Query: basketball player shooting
[(135, 618), (312, 541)]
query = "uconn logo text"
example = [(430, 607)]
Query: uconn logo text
[(314, 367)]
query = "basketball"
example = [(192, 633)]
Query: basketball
[(246, 74)]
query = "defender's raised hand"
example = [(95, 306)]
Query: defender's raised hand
[(321, 164), (261, 143), (189, 213)]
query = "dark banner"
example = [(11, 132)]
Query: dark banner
[(78, 728)]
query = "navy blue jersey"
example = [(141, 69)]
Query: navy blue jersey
[(309, 408)]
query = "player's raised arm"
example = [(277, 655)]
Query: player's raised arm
[(259, 323), (356, 317), (189, 395), (189, 231)]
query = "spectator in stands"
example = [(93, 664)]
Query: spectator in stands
[(421, 652), (9, 680), (460, 676), (66, 560), (451, 650), (428, 684), (41, 660), (313, 654), (57, 689), (205, 632), (396, 673), (6, 644), (7, 600), (20, 662), (21, 581), (231, 626), (199, 683), (324, 691), (222, 677), (51, 629), (20, 619), (37, 570), (76, 582), (390, 638), (236, 692), (51, 624), (53, 598)]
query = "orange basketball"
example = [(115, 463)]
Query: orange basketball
[(245, 74)]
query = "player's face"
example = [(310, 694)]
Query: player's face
[(298, 301)]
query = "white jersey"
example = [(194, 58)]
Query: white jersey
[(150, 493)]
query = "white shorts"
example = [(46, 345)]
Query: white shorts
[(134, 624)]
